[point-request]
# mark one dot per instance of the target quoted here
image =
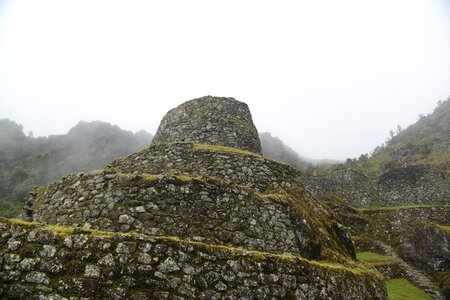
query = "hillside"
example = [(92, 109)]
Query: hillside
[(401, 194), (425, 142), (274, 148), (26, 161)]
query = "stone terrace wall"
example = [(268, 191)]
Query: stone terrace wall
[(418, 184), (389, 225), (42, 263), (188, 159), (353, 186), (204, 210), (427, 247), (210, 120)]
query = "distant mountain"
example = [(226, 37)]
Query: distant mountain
[(425, 142), (26, 161), (274, 148)]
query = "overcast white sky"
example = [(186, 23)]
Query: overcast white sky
[(330, 78)]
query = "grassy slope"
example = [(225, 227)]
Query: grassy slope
[(26, 161), (425, 142), (402, 289), (372, 257), (399, 288)]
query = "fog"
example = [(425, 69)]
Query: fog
[(330, 78)]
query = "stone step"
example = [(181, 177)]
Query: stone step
[(415, 276)]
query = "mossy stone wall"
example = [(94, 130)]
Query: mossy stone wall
[(46, 263), (417, 184), (228, 164), (351, 185), (210, 120), (390, 224), (198, 209)]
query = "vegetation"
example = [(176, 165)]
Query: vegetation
[(372, 257), (274, 148), (26, 161), (402, 289), (391, 208), (425, 142)]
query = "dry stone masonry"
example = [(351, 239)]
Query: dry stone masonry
[(210, 120), (416, 184), (389, 224), (240, 167), (40, 262), (349, 184), (200, 214), (205, 210)]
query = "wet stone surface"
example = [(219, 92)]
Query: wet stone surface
[(131, 267), (210, 120)]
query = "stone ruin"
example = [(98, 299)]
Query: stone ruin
[(415, 184), (200, 214), (212, 121)]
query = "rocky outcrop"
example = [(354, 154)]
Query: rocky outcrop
[(426, 247), (212, 121)]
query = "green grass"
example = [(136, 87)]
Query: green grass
[(402, 289), (373, 257)]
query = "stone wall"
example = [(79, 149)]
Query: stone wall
[(417, 184), (350, 216), (210, 120), (199, 209), (351, 185), (67, 263), (240, 167), (390, 224), (172, 216)]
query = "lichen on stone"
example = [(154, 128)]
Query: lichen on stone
[(199, 214)]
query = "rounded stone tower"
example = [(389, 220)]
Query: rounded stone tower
[(212, 121), (184, 219)]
